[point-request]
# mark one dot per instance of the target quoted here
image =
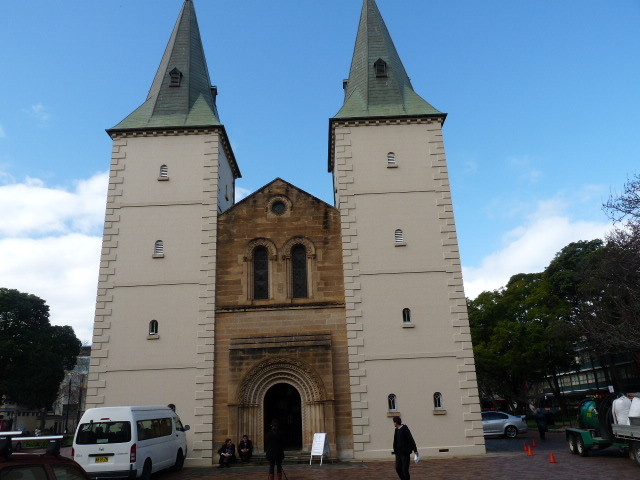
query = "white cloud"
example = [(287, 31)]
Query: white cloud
[(241, 193), (530, 247), (2, 132), (31, 208), (50, 246), (63, 271), (39, 111)]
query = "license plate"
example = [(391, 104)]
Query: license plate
[(102, 459)]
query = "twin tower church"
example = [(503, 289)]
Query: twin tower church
[(329, 318)]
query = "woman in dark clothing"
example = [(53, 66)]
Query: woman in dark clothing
[(274, 449)]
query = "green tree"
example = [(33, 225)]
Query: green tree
[(33, 353), (520, 338)]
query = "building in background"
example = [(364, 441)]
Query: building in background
[(328, 318)]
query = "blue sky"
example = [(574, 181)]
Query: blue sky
[(541, 98)]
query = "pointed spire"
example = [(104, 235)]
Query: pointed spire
[(181, 94), (378, 84)]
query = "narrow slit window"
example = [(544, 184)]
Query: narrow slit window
[(406, 315), (399, 236), (153, 327), (158, 248), (392, 402), (164, 171), (437, 401), (260, 273), (299, 271)]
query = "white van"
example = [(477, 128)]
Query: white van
[(129, 442)]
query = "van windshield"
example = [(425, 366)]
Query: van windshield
[(103, 432)]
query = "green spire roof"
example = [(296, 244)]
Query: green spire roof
[(378, 84), (181, 95)]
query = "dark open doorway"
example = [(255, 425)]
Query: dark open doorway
[(282, 402)]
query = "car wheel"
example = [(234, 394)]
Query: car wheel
[(146, 471), (582, 450), (511, 432), (179, 461), (571, 441)]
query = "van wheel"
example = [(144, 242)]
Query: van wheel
[(146, 471), (179, 461)]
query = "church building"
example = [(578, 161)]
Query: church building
[(329, 318)]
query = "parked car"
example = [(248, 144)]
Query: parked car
[(500, 423), (43, 466)]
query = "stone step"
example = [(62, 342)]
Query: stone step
[(293, 457)]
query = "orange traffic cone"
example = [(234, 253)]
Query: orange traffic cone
[(552, 458), (526, 447), (530, 452), (533, 443)]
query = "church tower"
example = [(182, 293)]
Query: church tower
[(172, 172), (410, 351)]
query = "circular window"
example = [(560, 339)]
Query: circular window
[(278, 207)]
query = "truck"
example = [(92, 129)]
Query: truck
[(598, 430)]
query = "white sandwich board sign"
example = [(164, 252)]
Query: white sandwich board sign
[(320, 446)]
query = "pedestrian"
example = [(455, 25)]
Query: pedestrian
[(245, 449), (403, 445), (541, 422), (274, 449), (227, 454)]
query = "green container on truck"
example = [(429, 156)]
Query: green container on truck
[(597, 429)]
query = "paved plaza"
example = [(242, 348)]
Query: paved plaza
[(506, 460)]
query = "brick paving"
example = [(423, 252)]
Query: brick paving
[(515, 465)]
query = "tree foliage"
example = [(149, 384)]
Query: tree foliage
[(33, 353), (519, 337)]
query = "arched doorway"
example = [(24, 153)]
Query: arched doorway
[(282, 402), (283, 387)]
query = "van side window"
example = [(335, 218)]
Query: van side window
[(154, 428), (179, 427)]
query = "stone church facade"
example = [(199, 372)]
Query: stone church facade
[(329, 318)]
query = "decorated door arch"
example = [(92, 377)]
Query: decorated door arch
[(284, 374)]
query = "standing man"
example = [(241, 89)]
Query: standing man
[(403, 445), (274, 449)]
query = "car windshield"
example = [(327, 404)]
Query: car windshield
[(103, 432)]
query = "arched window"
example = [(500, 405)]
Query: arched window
[(399, 236), (406, 315), (260, 273), (153, 327), (391, 159), (437, 401), (158, 249), (164, 172), (299, 272), (392, 402)]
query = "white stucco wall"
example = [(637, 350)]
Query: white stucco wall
[(424, 275)]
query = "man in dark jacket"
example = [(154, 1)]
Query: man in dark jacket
[(245, 449), (403, 445), (227, 454)]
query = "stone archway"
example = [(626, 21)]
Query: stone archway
[(317, 411)]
